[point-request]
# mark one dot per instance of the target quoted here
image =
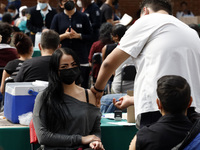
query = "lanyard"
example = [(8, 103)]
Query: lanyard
[(43, 17)]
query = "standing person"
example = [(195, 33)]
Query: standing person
[(118, 32), (39, 17), (13, 12), (78, 126), (37, 68), (185, 12), (107, 12), (104, 38), (92, 10), (24, 48), (158, 45), (173, 100), (75, 32)]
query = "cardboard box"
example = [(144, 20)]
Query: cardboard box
[(191, 20), (20, 98)]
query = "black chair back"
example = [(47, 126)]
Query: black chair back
[(128, 74)]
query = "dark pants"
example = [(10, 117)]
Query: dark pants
[(85, 71), (152, 117)]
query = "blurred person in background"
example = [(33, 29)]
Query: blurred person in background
[(7, 52), (24, 48), (39, 18), (75, 32)]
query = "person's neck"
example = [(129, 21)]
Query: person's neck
[(47, 52), (109, 2), (70, 12), (25, 57), (162, 12), (165, 113), (70, 89)]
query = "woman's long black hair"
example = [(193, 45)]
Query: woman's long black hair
[(53, 94)]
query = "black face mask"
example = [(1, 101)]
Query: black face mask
[(69, 5), (68, 76)]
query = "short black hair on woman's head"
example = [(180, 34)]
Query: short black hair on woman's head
[(174, 93), (119, 30)]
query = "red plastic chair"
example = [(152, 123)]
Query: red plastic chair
[(33, 136)]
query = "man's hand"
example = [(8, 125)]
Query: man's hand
[(90, 138), (98, 96), (97, 145), (123, 102), (74, 34)]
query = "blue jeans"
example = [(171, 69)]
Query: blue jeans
[(107, 105)]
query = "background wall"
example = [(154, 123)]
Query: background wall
[(131, 6)]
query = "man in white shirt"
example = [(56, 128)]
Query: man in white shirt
[(40, 17), (159, 45)]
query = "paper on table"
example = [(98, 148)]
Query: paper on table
[(125, 20), (122, 123), (111, 116)]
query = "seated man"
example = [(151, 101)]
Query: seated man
[(174, 97), (37, 68)]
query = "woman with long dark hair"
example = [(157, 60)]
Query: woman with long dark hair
[(65, 115)]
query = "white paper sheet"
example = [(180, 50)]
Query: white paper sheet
[(125, 20)]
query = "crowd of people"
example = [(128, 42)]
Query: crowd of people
[(164, 51)]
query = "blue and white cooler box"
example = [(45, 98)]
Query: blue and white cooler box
[(20, 98)]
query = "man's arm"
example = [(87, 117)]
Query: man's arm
[(132, 145), (110, 64)]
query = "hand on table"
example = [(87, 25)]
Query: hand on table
[(123, 102)]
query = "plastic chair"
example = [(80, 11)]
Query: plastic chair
[(33, 136), (128, 74), (96, 60)]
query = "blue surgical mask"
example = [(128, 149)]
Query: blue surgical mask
[(42, 5), (12, 14)]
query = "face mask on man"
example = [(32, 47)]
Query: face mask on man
[(79, 3), (42, 5), (68, 76), (69, 5), (12, 14)]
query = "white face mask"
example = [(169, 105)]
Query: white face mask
[(79, 3), (42, 5)]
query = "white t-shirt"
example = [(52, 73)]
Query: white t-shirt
[(161, 45)]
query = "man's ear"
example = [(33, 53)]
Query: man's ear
[(59, 46), (190, 102), (145, 11), (40, 47), (159, 104)]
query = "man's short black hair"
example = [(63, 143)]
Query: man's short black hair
[(50, 40), (7, 18), (5, 31), (12, 7), (174, 93), (157, 5)]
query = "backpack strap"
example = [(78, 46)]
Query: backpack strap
[(86, 94)]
